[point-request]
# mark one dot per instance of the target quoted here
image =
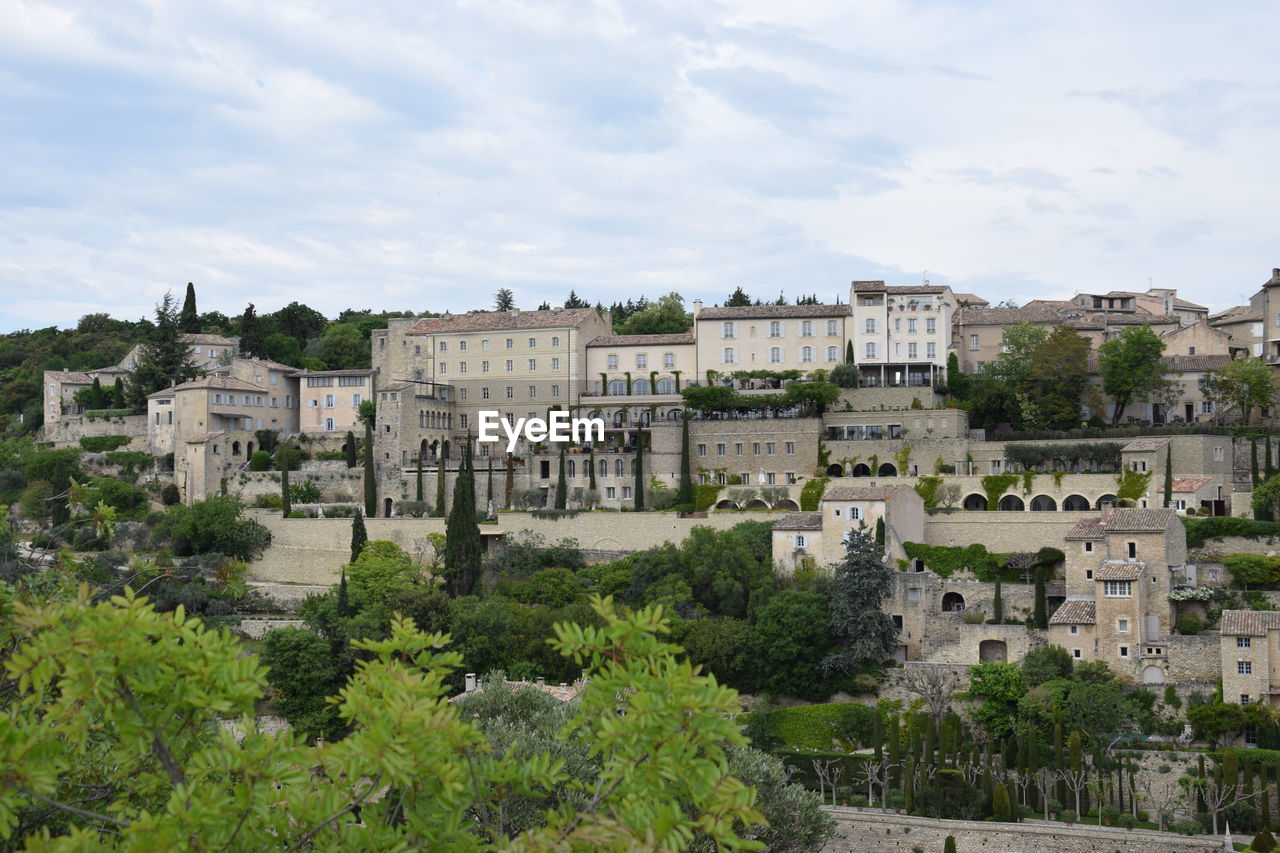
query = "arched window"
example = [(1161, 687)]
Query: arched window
[(603, 467), (570, 468), (617, 388), (641, 386), (806, 353), (666, 386), (617, 467)]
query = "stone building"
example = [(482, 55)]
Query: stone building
[(329, 400), (1248, 643), (901, 334), (818, 538), (769, 337)]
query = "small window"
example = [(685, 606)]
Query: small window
[(800, 542), (1088, 574), (1133, 550), (555, 341), (1244, 667), (1244, 699), (1074, 630), (1122, 626), (1075, 653), (855, 514), (1124, 651), (1243, 642), (1088, 547), (913, 593)]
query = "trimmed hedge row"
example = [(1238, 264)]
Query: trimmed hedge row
[(103, 443), (1201, 530)]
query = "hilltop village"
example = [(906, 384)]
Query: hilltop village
[(1086, 481)]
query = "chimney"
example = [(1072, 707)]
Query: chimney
[(471, 682), (697, 305), (1275, 273), (1107, 508)]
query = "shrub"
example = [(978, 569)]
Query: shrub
[(1128, 821), (169, 494), (413, 509), (1263, 842), (304, 492), (1068, 815), (214, 524), (271, 501), (260, 461), (1187, 826), (1190, 624), (130, 461), (974, 617), (103, 443), (810, 726), (297, 513)]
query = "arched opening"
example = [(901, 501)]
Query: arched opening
[(887, 470), (666, 386), (1075, 503), (1106, 499), (235, 448), (861, 470), (445, 451), (993, 651), (645, 417), (975, 503), (952, 602), (787, 504), (248, 449), (675, 414), (1043, 503), (423, 450), (726, 504), (386, 507), (1152, 675), (756, 504), (1011, 503), (642, 387), (619, 419), (835, 470), (617, 388), (917, 565)]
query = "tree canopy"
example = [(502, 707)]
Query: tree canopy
[(1131, 367)]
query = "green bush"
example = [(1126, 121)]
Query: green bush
[(170, 495), (260, 461), (1201, 530), (304, 492), (811, 494), (1189, 624), (103, 443), (269, 501), (705, 496), (811, 726), (1253, 570), (413, 509), (130, 461)]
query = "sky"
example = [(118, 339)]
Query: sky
[(420, 155)]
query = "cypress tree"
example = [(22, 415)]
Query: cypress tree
[(562, 488), (930, 742), (909, 785), (1263, 841), (1270, 469), (1168, 474), (164, 360), (462, 537), (282, 461), (418, 477), (359, 535), (591, 464), (1075, 765), (440, 475), (880, 534), (117, 394), (877, 733), (639, 487), (986, 770), (511, 481), (1041, 616), (685, 496), (1264, 795), (189, 319), (350, 449), (948, 846), (1200, 804), (1253, 463), (1000, 806), (488, 498), (370, 485), (895, 750), (1059, 763), (997, 606), (252, 341), (344, 603), (96, 395), (848, 352)]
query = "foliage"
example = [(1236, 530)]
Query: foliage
[(169, 495), (927, 488), (863, 631), (722, 645), (1131, 366), (1241, 385), (811, 726), (523, 553), (463, 549), (164, 359), (1214, 720), (549, 587), (213, 525), (103, 443), (260, 461), (1057, 378), (790, 641), (382, 569), (946, 560), (1201, 530), (811, 494), (1102, 455), (667, 316), (1253, 570), (1132, 485), (304, 492), (995, 485), (706, 495), (844, 375)]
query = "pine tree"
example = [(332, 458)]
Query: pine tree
[(252, 341), (1168, 474), (164, 360), (359, 535), (463, 548), (562, 488), (417, 476), (350, 449), (685, 497), (574, 301), (282, 462), (861, 629), (997, 606), (189, 319), (639, 486), (504, 300)]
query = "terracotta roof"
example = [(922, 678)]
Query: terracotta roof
[(973, 299), (1146, 443), (1238, 314), (164, 392), (1040, 314), (1087, 528), (225, 383), (641, 340), (861, 493), (799, 521), (70, 377), (773, 312), (502, 321), (1133, 520), (204, 437), (1118, 571), (1179, 302), (215, 340), (1195, 363), (1248, 623), (1075, 612), (1190, 484), (880, 287)]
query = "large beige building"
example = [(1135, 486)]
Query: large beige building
[(769, 337), (329, 400), (900, 335), (641, 365)]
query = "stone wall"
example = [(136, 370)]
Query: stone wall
[(256, 629), (1215, 549), (1011, 531), (950, 640), (859, 831), (1193, 657), (69, 431), (334, 479)]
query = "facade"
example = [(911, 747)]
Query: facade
[(1248, 645), (769, 337), (329, 400), (818, 538), (901, 335), (641, 365)]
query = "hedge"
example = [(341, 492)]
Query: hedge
[(811, 494), (705, 496), (103, 443), (1201, 530), (800, 761), (109, 413), (808, 726)]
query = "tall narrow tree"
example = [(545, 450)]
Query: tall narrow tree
[(1041, 617), (441, 473), (685, 496), (848, 352), (562, 488), (591, 470), (639, 486), (997, 605), (862, 630), (1270, 466), (349, 448), (164, 360), (117, 395), (252, 341), (462, 537), (488, 497), (282, 462), (417, 472), (189, 319), (368, 415), (359, 535), (344, 602), (1168, 474), (510, 483)]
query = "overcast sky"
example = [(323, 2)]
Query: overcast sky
[(420, 155)]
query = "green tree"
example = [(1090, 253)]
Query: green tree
[(1215, 720), (1131, 367), (282, 462), (949, 845), (844, 375), (1058, 376), (664, 317), (684, 497), (189, 319), (1000, 686), (812, 398), (215, 525), (252, 341), (504, 300), (349, 449), (463, 549), (367, 413), (359, 535), (1168, 474), (1241, 385), (790, 642), (118, 395), (381, 570), (862, 631), (562, 487), (342, 347), (848, 352), (737, 299), (417, 477), (441, 472), (1000, 806), (575, 301), (164, 359), (957, 380), (639, 478), (304, 674)]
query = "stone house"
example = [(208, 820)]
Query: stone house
[(901, 334), (1249, 644), (769, 337), (818, 538), (329, 400)]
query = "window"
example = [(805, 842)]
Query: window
[(610, 492), (770, 447), (800, 541), (462, 367), (912, 351), (555, 341), (1117, 589), (806, 329), (642, 360), (770, 479), (726, 330), (1133, 550), (833, 354), (511, 343), (931, 325), (328, 425), (1088, 546), (806, 354), (833, 327), (775, 355), (755, 448), (533, 392), (484, 345), (1075, 629), (444, 368), (1122, 626), (511, 392), (555, 364), (911, 326), (1206, 407), (613, 362), (871, 349), (870, 326), (484, 393), (669, 360), (444, 346), (1244, 667), (617, 467), (626, 492), (931, 350), (511, 365), (1243, 642), (1244, 700), (702, 450), (462, 394), (533, 364), (913, 593), (973, 342), (484, 367), (356, 400), (737, 449), (729, 356), (1088, 574), (1124, 651), (775, 329), (1075, 653), (790, 447), (855, 513), (720, 449), (1217, 454), (555, 390), (462, 345)]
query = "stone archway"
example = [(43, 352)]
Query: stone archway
[(1075, 503), (835, 470), (861, 470), (975, 503), (787, 504), (993, 651), (1043, 503), (1152, 675), (1011, 503), (725, 504), (887, 470), (1105, 499), (387, 506), (952, 602)]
